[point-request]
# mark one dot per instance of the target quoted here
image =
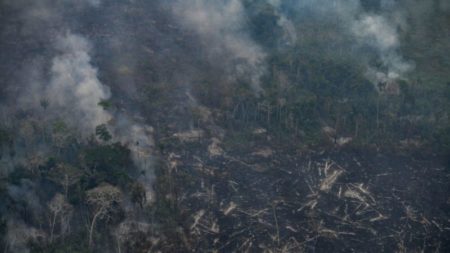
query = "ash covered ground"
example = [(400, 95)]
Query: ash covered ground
[(264, 195)]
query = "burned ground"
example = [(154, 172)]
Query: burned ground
[(267, 196)]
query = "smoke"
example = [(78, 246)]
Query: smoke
[(64, 77), (368, 29), (141, 146), (74, 90), (20, 235), (138, 138), (60, 82), (25, 193), (378, 32), (74, 93), (60, 72), (289, 32), (222, 27), (94, 3)]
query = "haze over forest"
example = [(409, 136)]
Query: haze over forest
[(224, 126)]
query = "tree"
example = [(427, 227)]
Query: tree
[(105, 104), (26, 131), (65, 175), (34, 162), (59, 207), (44, 103), (60, 135), (102, 132), (138, 194), (5, 138), (102, 199), (114, 155)]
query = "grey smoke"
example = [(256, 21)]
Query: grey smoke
[(378, 31), (74, 90), (138, 137), (20, 235), (74, 93), (25, 192), (289, 32), (95, 3), (222, 25), (63, 75)]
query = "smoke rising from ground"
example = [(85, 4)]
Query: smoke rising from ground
[(379, 33), (74, 90), (289, 32), (61, 84), (61, 78), (138, 138), (367, 29), (222, 26), (69, 85)]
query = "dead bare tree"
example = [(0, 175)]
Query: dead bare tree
[(59, 207), (66, 176), (102, 200)]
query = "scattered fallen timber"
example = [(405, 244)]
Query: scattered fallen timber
[(331, 201)]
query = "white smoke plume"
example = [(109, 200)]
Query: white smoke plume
[(379, 31), (138, 137), (74, 90), (64, 76), (20, 235), (94, 3), (70, 87), (289, 32), (74, 93), (222, 25), (142, 145)]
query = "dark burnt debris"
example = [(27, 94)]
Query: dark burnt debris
[(269, 197)]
